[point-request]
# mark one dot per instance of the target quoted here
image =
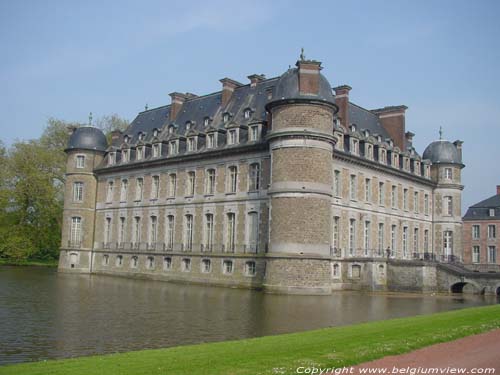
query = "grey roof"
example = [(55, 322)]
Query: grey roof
[(87, 138), (442, 151), (288, 87), (365, 119), (481, 210)]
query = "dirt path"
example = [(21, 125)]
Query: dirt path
[(478, 351)]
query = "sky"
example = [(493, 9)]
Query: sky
[(64, 59)]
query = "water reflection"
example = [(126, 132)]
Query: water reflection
[(49, 315)]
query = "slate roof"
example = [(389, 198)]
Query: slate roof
[(442, 151), (87, 138), (481, 210)]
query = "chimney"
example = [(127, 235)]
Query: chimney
[(115, 135), (228, 86), (178, 100), (458, 144), (409, 138), (498, 189), (308, 76), (255, 78), (342, 101), (190, 95), (393, 121)]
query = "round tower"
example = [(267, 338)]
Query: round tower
[(86, 148), (446, 169), (301, 143)]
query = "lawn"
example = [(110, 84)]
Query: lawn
[(282, 354)]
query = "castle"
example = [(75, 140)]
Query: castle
[(280, 184)]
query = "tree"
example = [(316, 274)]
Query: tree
[(109, 123)]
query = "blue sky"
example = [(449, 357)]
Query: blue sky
[(440, 58)]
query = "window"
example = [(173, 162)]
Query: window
[(254, 133), (134, 261), (172, 148), (188, 241), (209, 232), (172, 185), (232, 137), (368, 190), (393, 237), (407, 164), (380, 238), (405, 242), (355, 271), (167, 264), (492, 212), (476, 253), (394, 196), (191, 144), (125, 156), (416, 168), (140, 153), (78, 191), (150, 264), (111, 158), (336, 183), (247, 113), (492, 254), (206, 266), (156, 150), (448, 243), (171, 129), (366, 237), (107, 230), (124, 190), (75, 231), (415, 240), (448, 173), (155, 133), (139, 186), (254, 174), (206, 121), (415, 202), (136, 234), (336, 233), (405, 199), (448, 206), (492, 232), (105, 260), (211, 140), (233, 179), (354, 146), (250, 268), (227, 267), (383, 156), (188, 126), (381, 194), (186, 265), (121, 231), (109, 194), (426, 240), (475, 232), (335, 270), (210, 182), (231, 232), (352, 236), (225, 117), (80, 161), (369, 152), (153, 227), (119, 260), (155, 188), (352, 187), (170, 232), (190, 183), (426, 204), (253, 231)]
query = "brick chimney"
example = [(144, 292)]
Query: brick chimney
[(178, 100), (255, 78), (458, 144), (393, 121), (228, 86), (498, 189), (308, 76), (342, 101)]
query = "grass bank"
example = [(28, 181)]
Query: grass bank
[(330, 347), (35, 263)]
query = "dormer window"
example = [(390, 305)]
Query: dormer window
[(247, 113), (155, 133), (225, 117), (172, 148), (188, 126), (232, 137), (369, 152), (353, 128), (171, 129), (211, 140), (427, 171), (383, 156), (125, 139), (354, 146), (491, 212), (407, 164), (395, 160), (156, 150), (111, 158), (125, 156), (416, 168), (141, 136), (254, 133), (206, 121), (191, 144), (140, 153)]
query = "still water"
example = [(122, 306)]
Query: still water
[(45, 315)]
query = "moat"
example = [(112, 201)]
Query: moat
[(46, 315)]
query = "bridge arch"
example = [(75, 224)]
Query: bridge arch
[(466, 287)]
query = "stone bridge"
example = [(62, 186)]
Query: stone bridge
[(455, 278)]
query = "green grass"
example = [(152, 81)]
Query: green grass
[(37, 263), (330, 347)]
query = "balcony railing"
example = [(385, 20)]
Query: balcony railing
[(74, 243)]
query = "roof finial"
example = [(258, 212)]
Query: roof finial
[(302, 56), (90, 119), (146, 107), (440, 133)]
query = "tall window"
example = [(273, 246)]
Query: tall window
[(366, 237), (492, 231), (448, 205), (253, 230), (448, 243), (380, 237), (415, 202), (405, 199), (426, 204), (139, 186), (250, 268), (170, 231), (156, 150), (211, 140), (172, 148), (405, 242), (233, 179), (124, 190), (188, 242), (191, 143), (153, 234), (121, 231), (492, 254), (209, 231), (137, 230), (475, 232), (140, 153), (352, 236), (415, 240), (107, 230), (172, 184), (232, 137), (336, 183), (254, 174), (125, 156), (368, 190), (394, 196), (254, 133), (352, 187), (336, 232), (227, 267), (155, 188), (78, 191), (231, 231), (75, 235), (426, 240), (393, 238), (109, 194), (476, 253), (448, 173), (210, 182), (381, 193), (190, 183), (80, 161)]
